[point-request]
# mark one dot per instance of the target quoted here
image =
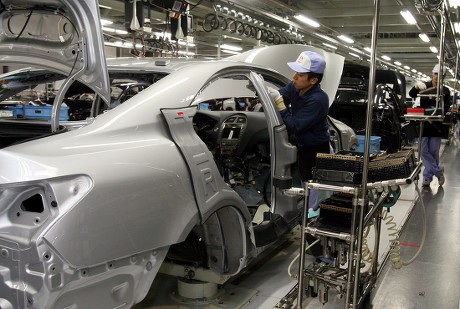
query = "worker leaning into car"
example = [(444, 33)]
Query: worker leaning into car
[(307, 119), (432, 131)]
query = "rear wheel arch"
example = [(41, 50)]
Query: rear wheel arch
[(224, 242)]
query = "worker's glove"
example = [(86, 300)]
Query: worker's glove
[(277, 98), (420, 86)]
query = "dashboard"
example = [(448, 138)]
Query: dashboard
[(230, 133)]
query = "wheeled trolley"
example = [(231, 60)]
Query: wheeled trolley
[(342, 226)]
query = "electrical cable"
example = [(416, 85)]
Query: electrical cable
[(297, 256), (25, 25), (194, 6)]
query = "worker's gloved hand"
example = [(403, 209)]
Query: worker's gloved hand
[(420, 86), (277, 98)]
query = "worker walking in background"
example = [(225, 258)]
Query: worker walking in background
[(432, 130)]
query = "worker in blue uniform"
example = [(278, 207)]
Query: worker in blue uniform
[(306, 120), (432, 131)]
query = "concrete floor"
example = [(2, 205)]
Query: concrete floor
[(432, 280)]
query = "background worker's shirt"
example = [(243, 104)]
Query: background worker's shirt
[(433, 129)]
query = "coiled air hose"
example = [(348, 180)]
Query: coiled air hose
[(395, 247)]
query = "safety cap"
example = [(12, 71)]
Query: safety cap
[(308, 61), (436, 70)]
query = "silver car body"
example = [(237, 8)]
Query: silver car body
[(88, 216)]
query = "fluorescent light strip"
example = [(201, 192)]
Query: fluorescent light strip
[(105, 7), (355, 55), (330, 46), (408, 17), (307, 21), (397, 63), (231, 47), (106, 22), (355, 50), (326, 38), (185, 43), (457, 27), (424, 37), (346, 39), (433, 49), (230, 52), (108, 29), (385, 57), (454, 3), (232, 37)]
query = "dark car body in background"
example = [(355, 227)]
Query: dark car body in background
[(388, 122)]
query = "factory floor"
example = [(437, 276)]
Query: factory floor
[(431, 280)]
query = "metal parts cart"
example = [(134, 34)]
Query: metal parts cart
[(341, 268)]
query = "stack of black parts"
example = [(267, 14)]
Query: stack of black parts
[(346, 168), (336, 210)]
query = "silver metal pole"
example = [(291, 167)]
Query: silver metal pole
[(439, 97), (302, 246), (370, 106)]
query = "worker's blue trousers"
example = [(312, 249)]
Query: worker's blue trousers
[(429, 151)]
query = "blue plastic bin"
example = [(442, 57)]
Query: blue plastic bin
[(375, 144), (39, 112)]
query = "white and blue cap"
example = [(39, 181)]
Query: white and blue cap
[(436, 70), (308, 61)]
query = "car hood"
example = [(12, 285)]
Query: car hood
[(60, 35), (277, 57)]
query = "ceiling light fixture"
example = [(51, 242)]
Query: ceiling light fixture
[(368, 49), (106, 22), (230, 52), (108, 29), (346, 39), (408, 17), (326, 38), (406, 67), (457, 27), (330, 46), (232, 37), (433, 49), (355, 55), (231, 47), (105, 7), (185, 43), (307, 20), (355, 50), (424, 37), (385, 57), (397, 63)]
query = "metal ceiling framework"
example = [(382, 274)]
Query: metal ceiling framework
[(396, 38)]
